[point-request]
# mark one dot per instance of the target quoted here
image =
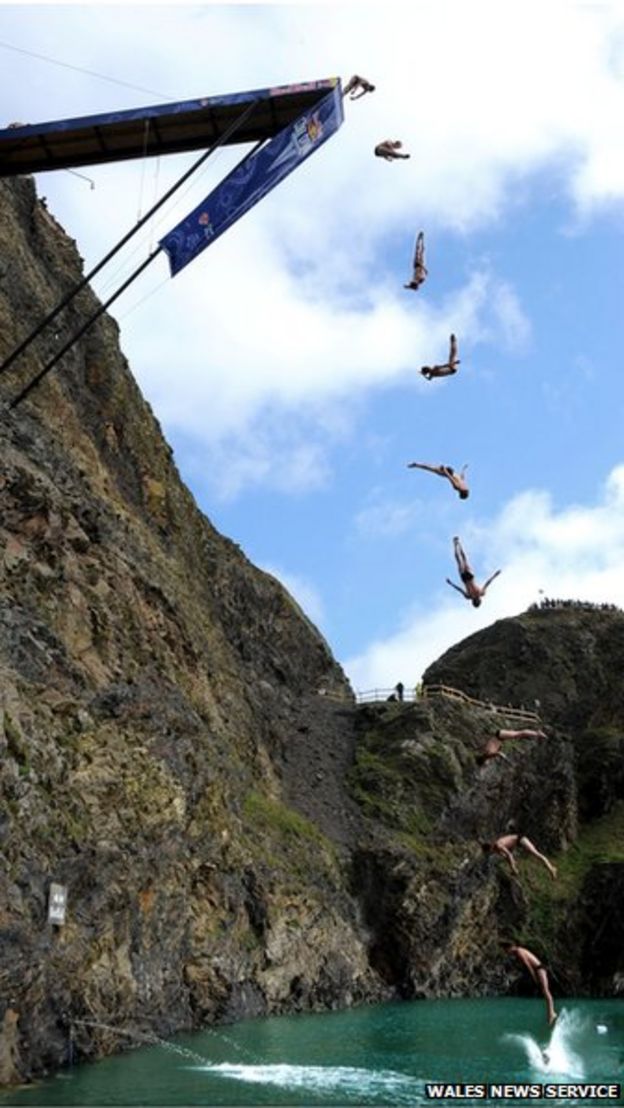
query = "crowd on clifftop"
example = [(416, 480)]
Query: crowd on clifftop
[(582, 605)]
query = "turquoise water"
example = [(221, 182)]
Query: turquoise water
[(382, 1055)]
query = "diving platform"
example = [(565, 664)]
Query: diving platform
[(153, 131), (286, 124)]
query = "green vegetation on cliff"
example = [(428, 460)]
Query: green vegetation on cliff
[(284, 839), (550, 904)]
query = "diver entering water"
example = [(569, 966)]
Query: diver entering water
[(538, 972)]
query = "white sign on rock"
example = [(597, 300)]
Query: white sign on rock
[(57, 903)]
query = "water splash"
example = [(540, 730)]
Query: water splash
[(556, 1058), (322, 1079)]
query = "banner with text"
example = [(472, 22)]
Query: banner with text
[(252, 180)]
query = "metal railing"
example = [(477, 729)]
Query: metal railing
[(521, 713), (377, 696), (425, 692)]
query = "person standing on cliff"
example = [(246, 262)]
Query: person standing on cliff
[(538, 973), (505, 846), (492, 747), (471, 591)]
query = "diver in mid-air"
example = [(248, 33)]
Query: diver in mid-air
[(389, 149), (353, 84), (419, 270), (447, 368), (457, 480), (492, 748), (505, 846), (471, 591), (538, 973)]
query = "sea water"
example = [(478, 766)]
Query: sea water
[(380, 1055)]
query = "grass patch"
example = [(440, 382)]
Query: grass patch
[(382, 791), (16, 745), (275, 816), (403, 783), (600, 841)]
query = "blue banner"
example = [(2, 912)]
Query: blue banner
[(252, 180)]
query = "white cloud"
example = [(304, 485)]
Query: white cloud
[(284, 458), (576, 552), (481, 94), (513, 324), (386, 518), (270, 378), (259, 340)]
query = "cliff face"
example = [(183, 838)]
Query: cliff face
[(564, 657), (232, 842), (568, 658), (159, 717)]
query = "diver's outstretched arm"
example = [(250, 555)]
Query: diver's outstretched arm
[(490, 579)]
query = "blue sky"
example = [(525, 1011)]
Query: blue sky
[(283, 363)]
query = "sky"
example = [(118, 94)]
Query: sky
[(283, 363)]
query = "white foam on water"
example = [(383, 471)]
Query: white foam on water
[(556, 1058), (346, 1079)]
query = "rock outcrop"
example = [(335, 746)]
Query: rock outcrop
[(567, 659), (232, 842)]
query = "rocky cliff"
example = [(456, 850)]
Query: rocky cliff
[(165, 752), (232, 842), (568, 658)]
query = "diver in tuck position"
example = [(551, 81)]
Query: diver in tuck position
[(353, 84), (389, 149)]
